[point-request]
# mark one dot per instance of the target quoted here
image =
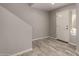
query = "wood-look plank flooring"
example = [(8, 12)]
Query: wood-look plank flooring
[(51, 47)]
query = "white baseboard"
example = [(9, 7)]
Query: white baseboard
[(53, 37), (19, 53), (41, 38), (72, 43), (4, 54)]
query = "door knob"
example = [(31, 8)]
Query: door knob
[(67, 27)]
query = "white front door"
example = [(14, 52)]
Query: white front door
[(62, 25)]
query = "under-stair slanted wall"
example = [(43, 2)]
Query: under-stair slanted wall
[(15, 9), (15, 35), (39, 20)]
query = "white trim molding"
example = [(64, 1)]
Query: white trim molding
[(41, 38), (53, 37), (72, 43), (19, 53)]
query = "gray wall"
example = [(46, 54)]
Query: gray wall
[(39, 20), (53, 21), (15, 35)]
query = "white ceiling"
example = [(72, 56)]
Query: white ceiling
[(47, 6)]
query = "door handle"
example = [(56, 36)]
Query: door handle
[(67, 27)]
